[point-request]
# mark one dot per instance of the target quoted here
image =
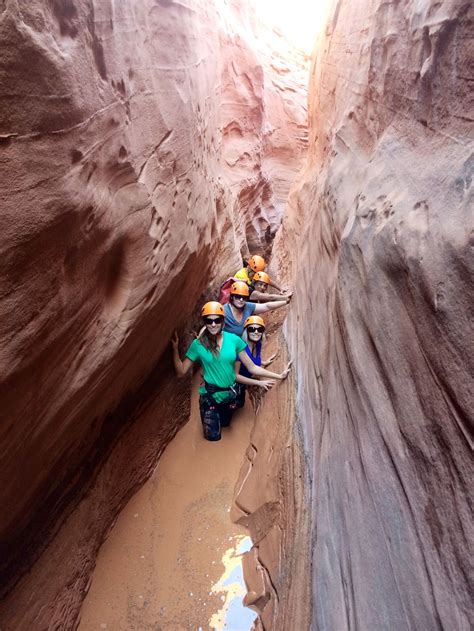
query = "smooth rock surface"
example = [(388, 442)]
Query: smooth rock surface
[(117, 215), (379, 239), (263, 121)]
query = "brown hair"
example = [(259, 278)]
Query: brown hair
[(210, 342)]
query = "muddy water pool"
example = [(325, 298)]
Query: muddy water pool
[(172, 562)]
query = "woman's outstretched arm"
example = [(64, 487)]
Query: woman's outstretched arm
[(267, 362), (256, 296), (181, 367), (258, 371), (266, 384), (270, 306)]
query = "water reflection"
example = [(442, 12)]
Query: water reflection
[(233, 615)]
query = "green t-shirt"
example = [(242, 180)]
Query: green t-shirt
[(218, 369)]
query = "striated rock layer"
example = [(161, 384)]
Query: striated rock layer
[(125, 138), (271, 500), (263, 121), (379, 237)]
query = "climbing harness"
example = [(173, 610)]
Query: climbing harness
[(215, 415), (233, 391)]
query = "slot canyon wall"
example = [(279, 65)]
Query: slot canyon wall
[(143, 147), (379, 237)]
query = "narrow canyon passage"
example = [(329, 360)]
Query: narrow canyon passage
[(147, 149), (172, 561)]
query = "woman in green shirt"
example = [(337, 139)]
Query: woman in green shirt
[(217, 351)]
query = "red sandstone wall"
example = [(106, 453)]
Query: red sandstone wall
[(379, 237), (263, 121), (116, 215)]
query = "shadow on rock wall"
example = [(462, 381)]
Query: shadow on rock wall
[(116, 218)]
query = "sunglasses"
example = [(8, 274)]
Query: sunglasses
[(255, 329), (210, 321), (239, 297)]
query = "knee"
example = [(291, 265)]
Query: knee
[(210, 420)]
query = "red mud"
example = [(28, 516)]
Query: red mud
[(172, 561)]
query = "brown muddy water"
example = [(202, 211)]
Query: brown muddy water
[(173, 560)]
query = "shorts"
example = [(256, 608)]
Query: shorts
[(214, 416)]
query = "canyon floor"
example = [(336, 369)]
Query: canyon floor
[(173, 559)]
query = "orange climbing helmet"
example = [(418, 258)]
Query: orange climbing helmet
[(239, 288), (257, 263), (257, 320), (212, 308), (263, 277)]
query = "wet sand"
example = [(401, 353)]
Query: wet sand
[(172, 561)]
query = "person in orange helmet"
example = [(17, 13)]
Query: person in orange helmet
[(238, 309), (255, 264), (259, 289), (254, 330), (217, 351)]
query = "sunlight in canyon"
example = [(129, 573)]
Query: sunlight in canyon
[(299, 20)]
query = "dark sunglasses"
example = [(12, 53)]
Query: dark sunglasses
[(255, 329), (218, 320), (237, 296)]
